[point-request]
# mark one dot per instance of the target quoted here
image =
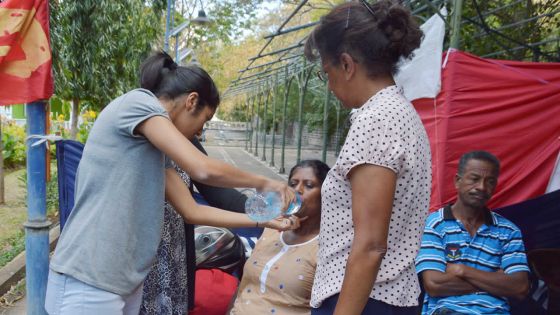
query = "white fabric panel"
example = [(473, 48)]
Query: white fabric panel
[(554, 182), (421, 76)]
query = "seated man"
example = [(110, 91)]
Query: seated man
[(472, 259)]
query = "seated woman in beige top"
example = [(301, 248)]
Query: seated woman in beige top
[(278, 277)]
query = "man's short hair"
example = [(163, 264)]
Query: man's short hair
[(478, 155)]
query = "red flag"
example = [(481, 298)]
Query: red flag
[(25, 54)]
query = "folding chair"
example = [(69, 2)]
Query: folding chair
[(68, 155)]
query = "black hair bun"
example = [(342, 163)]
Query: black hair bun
[(400, 28)]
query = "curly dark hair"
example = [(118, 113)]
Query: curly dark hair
[(377, 35)]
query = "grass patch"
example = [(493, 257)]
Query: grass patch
[(12, 247), (14, 212)]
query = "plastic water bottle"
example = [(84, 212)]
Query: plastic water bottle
[(262, 207)]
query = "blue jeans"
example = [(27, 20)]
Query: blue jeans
[(69, 296), (373, 307)]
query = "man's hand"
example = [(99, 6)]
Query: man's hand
[(457, 270), (498, 283), (448, 283)]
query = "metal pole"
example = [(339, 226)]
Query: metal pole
[(167, 27), (252, 128), (326, 121), (288, 81), (259, 96), (274, 100), (265, 111), (456, 24), (36, 226), (177, 49), (247, 123), (172, 14), (302, 90)]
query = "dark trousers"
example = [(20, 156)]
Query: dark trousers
[(446, 311), (373, 307)]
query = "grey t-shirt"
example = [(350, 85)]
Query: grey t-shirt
[(111, 237)]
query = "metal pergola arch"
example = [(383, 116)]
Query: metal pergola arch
[(286, 63)]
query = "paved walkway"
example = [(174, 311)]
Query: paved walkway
[(242, 159), (249, 161)]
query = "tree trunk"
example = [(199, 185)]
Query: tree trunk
[(74, 116), (2, 200)]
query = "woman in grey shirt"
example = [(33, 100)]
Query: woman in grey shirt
[(111, 237)]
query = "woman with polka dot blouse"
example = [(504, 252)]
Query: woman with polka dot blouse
[(278, 277), (376, 196)]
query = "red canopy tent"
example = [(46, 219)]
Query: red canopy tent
[(509, 108)]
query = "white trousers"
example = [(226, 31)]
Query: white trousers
[(69, 296)]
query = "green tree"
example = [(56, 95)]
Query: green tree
[(98, 46), (509, 29), (231, 19)]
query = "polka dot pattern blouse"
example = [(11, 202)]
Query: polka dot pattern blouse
[(386, 131)]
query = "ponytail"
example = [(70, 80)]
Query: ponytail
[(163, 77)]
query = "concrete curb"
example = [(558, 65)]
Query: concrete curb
[(15, 269)]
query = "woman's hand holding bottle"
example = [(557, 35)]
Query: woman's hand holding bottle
[(286, 193)]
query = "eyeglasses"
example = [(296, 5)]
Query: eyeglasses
[(322, 75), (364, 2)]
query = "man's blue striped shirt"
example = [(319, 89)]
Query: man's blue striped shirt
[(496, 245)]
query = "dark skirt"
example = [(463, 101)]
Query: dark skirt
[(373, 307)]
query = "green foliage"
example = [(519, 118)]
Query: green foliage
[(88, 118), (13, 141), (59, 103), (236, 113), (511, 24), (312, 112), (506, 29), (98, 46), (52, 190), (231, 18), (52, 195)]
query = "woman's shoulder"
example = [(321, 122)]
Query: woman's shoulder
[(140, 99), (141, 95)]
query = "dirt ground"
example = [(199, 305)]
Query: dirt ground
[(14, 212)]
